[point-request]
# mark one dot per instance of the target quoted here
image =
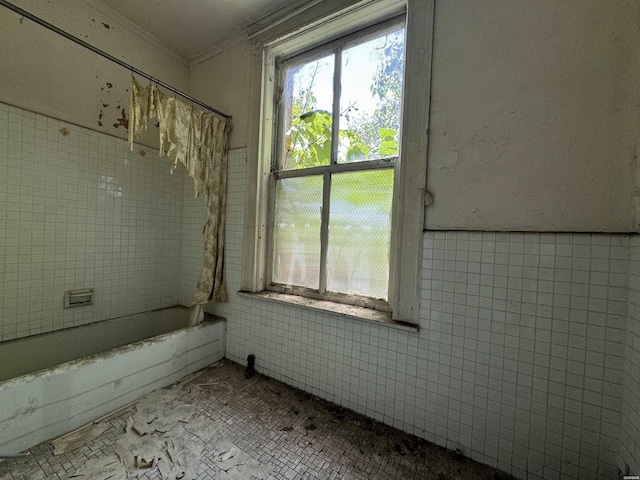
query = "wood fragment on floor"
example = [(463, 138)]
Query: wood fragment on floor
[(78, 438)]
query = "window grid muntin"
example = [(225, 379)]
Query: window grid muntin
[(285, 63)]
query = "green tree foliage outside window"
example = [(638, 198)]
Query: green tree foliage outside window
[(370, 135)]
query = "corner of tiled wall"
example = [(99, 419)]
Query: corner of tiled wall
[(630, 438)]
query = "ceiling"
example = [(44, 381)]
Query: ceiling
[(192, 27)]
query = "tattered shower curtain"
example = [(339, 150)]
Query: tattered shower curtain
[(199, 141)]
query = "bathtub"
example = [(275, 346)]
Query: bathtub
[(56, 382)]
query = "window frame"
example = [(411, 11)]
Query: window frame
[(277, 172), (410, 195)]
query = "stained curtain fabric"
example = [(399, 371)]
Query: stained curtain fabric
[(199, 141)]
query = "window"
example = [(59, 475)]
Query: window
[(336, 186), (337, 145)]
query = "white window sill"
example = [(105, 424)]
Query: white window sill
[(342, 310)]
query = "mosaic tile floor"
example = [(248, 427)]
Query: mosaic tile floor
[(236, 428)]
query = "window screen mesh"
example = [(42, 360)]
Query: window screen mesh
[(296, 252), (359, 233)]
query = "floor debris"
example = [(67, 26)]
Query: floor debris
[(78, 438), (150, 449), (159, 436), (184, 453), (237, 465), (206, 430), (106, 468), (226, 455), (240, 430), (160, 413)]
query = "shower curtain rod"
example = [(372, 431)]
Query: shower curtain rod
[(84, 44)]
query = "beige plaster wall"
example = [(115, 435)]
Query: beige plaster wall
[(535, 113), (43, 72)]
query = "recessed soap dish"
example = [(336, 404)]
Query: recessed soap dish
[(78, 298)]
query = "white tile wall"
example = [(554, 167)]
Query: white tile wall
[(630, 439), (77, 211), (527, 330), (518, 361)]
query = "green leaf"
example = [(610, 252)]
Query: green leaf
[(355, 153), (387, 133), (388, 147)]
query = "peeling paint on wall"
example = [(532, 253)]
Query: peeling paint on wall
[(123, 121)]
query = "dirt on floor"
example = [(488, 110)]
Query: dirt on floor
[(217, 424)]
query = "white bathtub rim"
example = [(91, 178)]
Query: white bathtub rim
[(74, 364)]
